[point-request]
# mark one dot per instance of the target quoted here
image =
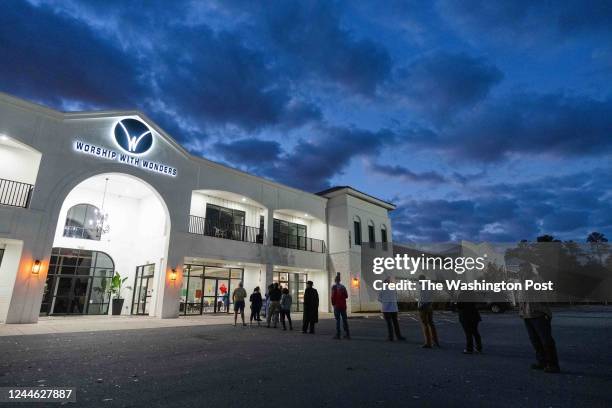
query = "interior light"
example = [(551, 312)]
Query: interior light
[(243, 199), (36, 267), (3, 137), (305, 215)]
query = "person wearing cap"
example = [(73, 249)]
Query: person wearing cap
[(311, 309)]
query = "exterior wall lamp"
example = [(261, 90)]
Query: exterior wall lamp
[(355, 282), (36, 267), (173, 275)]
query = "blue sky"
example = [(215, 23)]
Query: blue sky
[(480, 120)]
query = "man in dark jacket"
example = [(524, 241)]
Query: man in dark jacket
[(469, 317), (256, 304), (311, 308)]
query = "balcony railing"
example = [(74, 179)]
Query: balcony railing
[(236, 232), (15, 193), (297, 242), (71, 231)]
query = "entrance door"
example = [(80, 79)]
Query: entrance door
[(70, 294), (296, 283), (77, 282), (216, 297), (143, 289)]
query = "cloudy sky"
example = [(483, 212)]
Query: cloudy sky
[(481, 120)]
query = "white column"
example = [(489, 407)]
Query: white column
[(26, 296), (269, 227), (268, 278)]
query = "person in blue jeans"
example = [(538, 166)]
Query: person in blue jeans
[(339, 295)]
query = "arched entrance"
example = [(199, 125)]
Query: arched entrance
[(125, 219)]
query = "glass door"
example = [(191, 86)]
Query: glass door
[(143, 289), (223, 296), (296, 283), (209, 299)]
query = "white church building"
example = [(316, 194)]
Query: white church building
[(86, 195)]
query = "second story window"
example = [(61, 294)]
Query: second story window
[(371, 235), (383, 237), (289, 235), (357, 230), (222, 222), (82, 221)]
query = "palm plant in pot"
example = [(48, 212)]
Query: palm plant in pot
[(116, 286)]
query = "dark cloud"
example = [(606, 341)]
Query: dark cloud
[(53, 59), (312, 36), (443, 83), (407, 174), (216, 77), (254, 154), (567, 207), (311, 163), (553, 124), (523, 21)]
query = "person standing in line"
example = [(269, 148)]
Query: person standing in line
[(256, 303), (339, 294), (388, 301), (285, 308), (225, 300), (274, 306), (425, 307), (469, 317), (266, 305), (238, 297), (537, 317), (311, 308)]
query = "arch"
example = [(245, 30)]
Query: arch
[(357, 230), (83, 221), (138, 232), (69, 181), (371, 233)]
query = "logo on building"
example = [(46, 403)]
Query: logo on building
[(133, 136)]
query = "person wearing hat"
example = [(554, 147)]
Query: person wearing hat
[(311, 308)]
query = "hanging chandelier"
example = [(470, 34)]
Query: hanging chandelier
[(101, 217)]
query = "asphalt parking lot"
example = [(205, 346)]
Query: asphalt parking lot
[(221, 365)]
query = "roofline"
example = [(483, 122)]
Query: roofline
[(336, 191), (60, 115)]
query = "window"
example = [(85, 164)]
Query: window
[(289, 235), (383, 237), (208, 289), (224, 217), (82, 221), (357, 230), (222, 222), (77, 282), (371, 234)]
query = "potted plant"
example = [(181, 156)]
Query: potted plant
[(115, 289)]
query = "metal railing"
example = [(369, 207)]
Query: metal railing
[(297, 242), (71, 231), (15, 193), (236, 232)]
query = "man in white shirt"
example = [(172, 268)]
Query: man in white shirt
[(388, 300)]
